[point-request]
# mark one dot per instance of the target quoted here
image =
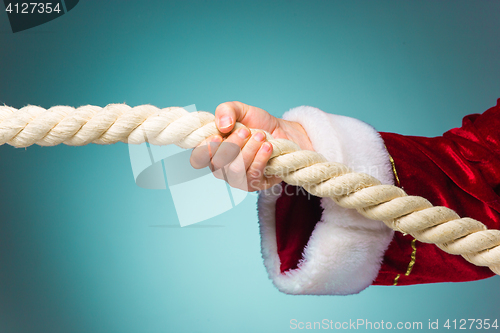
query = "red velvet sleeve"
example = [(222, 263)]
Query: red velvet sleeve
[(459, 170)]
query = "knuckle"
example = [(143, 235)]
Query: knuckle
[(221, 160), (254, 184), (255, 174), (218, 174), (217, 165), (236, 168), (197, 162), (223, 107)]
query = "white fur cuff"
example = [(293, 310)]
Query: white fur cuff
[(345, 250)]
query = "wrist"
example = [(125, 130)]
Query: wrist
[(293, 131)]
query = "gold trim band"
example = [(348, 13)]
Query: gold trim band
[(412, 261)]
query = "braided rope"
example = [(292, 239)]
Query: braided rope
[(118, 122)]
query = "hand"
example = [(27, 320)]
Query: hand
[(239, 158)]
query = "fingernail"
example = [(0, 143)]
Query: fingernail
[(259, 136), (225, 122), (243, 133), (266, 147)]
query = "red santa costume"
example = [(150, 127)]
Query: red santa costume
[(311, 245)]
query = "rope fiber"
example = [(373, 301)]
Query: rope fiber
[(121, 123)]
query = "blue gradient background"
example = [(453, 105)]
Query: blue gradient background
[(80, 246)]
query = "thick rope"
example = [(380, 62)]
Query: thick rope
[(118, 122)]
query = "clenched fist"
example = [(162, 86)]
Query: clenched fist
[(239, 157)]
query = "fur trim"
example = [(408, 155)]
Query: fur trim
[(345, 250)]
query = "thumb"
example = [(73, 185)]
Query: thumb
[(227, 114)]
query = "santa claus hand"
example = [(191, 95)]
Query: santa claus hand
[(227, 114), (240, 158)]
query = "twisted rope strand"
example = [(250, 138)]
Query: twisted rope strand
[(121, 123)]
